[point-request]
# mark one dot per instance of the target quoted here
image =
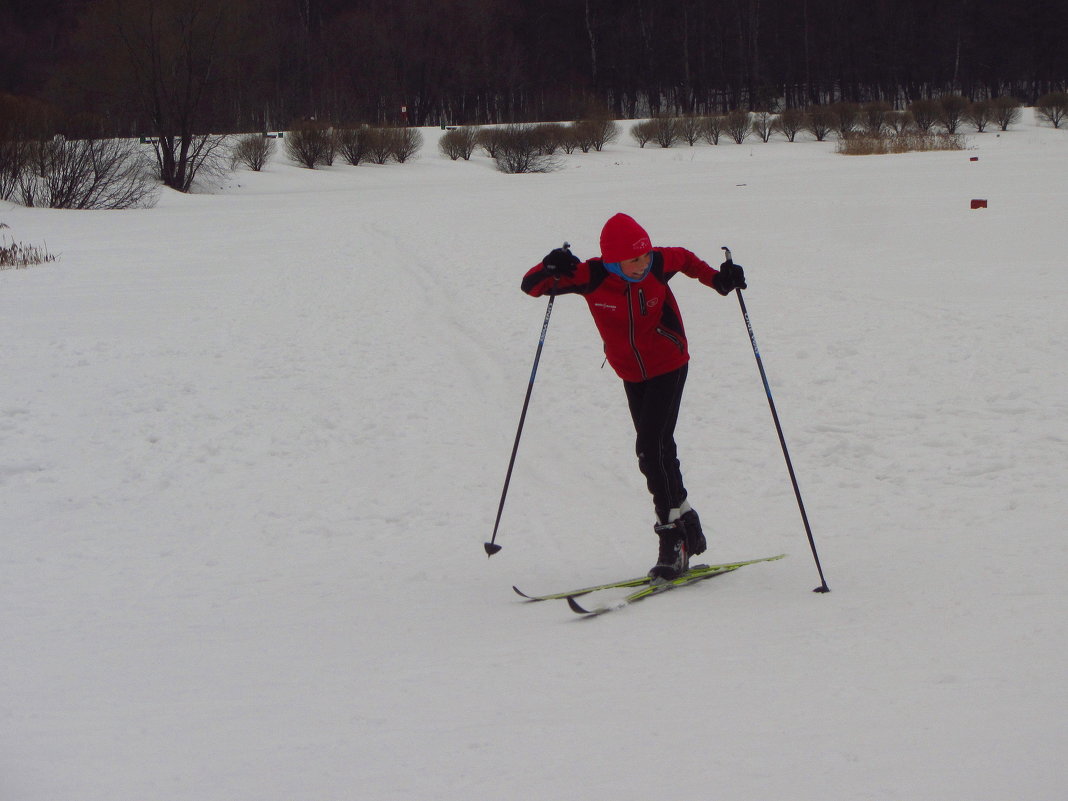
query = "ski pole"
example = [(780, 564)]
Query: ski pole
[(492, 547), (778, 427)]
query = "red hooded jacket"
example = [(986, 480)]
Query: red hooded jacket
[(639, 322)]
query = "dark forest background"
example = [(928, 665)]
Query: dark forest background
[(239, 65)]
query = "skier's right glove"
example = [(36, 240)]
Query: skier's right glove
[(560, 262)]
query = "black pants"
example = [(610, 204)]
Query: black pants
[(654, 407)]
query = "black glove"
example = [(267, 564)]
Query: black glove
[(731, 276), (560, 262)]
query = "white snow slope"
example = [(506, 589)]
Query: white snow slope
[(252, 442)]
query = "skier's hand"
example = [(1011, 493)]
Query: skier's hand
[(560, 262), (731, 276)]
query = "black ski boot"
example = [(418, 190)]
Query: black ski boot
[(695, 537), (673, 560)]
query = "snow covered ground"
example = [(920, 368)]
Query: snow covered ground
[(252, 442)]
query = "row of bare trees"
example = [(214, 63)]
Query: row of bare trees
[(948, 113), (100, 172), (312, 143), (528, 147)]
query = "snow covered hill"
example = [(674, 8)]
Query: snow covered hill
[(252, 442)]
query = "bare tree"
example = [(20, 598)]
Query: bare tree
[(555, 136), (763, 124), (352, 144), (979, 114), (253, 150), (164, 58), (689, 128), (665, 130), (489, 139), (595, 133), (12, 159), (311, 144), (846, 118), (899, 121), (790, 123), (1053, 108), (570, 138), (459, 143), (736, 124), (406, 142), (23, 122), (819, 121), (383, 145), (581, 133), (711, 128), (517, 151), (642, 132), (86, 174), (952, 109), (925, 114), (380, 145), (1006, 111), (873, 117)]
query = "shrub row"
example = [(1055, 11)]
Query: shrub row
[(529, 147), (84, 173), (949, 114), (312, 144)]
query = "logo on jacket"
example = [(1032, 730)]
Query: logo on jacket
[(608, 306)]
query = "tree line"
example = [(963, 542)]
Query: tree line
[(179, 71), (247, 65)]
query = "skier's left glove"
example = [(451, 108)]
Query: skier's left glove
[(731, 276)]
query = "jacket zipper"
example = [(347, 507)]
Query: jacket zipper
[(630, 333)]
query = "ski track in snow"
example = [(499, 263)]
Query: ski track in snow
[(252, 440)]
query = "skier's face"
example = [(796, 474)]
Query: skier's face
[(636, 267)]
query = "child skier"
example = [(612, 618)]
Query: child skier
[(645, 342)]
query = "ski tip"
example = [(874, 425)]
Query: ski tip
[(491, 548), (576, 607), (521, 593)]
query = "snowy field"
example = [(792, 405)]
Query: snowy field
[(252, 441)]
